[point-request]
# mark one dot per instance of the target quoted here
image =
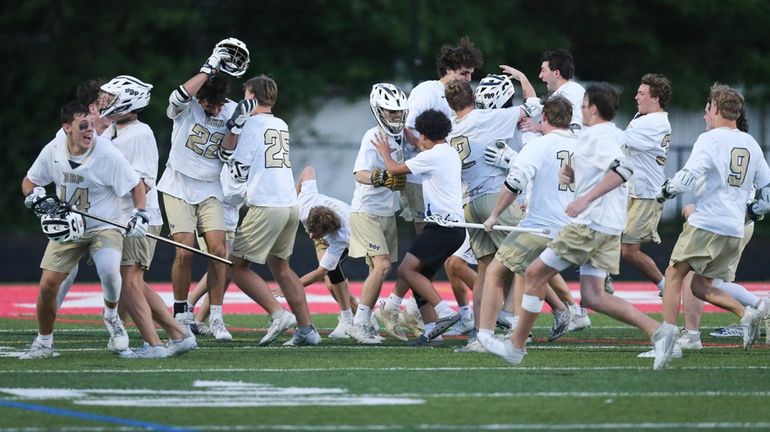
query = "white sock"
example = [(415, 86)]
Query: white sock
[(761, 306), (279, 313), (694, 333), (662, 284), (346, 315), (466, 312), (429, 328), (363, 315), (190, 306), (45, 340), (110, 313), (443, 310), (215, 312), (738, 292), (393, 303)]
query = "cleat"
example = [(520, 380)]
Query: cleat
[(200, 329), (363, 334), (505, 350), (423, 342), (560, 327), (146, 351), (340, 332), (505, 320), (310, 338), (663, 342), (389, 320), (118, 336), (463, 327), (473, 345), (218, 329), (750, 325), (580, 319), (443, 324), (186, 319), (688, 341), (733, 330), (677, 353), (181, 346), (38, 351), (277, 326), (608, 287)]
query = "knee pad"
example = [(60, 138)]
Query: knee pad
[(588, 270), (531, 303), (549, 258)]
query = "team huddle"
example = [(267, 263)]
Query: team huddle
[(503, 197)]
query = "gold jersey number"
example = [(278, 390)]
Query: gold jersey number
[(203, 142), (277, 152)]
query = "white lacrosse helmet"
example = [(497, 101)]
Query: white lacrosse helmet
[(239, 57), (65, 228), (386, 96), (128, 94), (494, 91)]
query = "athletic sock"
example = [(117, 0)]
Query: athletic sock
[(443, 310), (45, 340), (363, 315), (347, 315), (277, 314), (393, 303), (110, 313), (428, 329), (662, 284), (215, 312), (466, 312)]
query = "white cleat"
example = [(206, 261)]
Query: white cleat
[(473, 345), (118, 336), (663, 343), (463, 327), (363, 334), (750, 324), (146, 351), (38, 351), (310, 338), (687, 341), (677, 353), (181, 346), (277, 326), (339, 332), (580, 319), (218, 329)]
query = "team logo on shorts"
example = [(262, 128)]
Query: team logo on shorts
[(374, 246)]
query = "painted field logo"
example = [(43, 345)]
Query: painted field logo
[(212, 394)]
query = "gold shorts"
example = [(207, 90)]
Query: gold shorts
[(412, 203), (63, 257), (140, 250), (266, 231), (519, 249), (477, 211), (372, 235), (204, 217), (229, 237), (709, 254), (642, 221), (580, 245), (748, 231)]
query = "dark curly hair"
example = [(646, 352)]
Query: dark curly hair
[(459, 95), (466, 54), (742, 123), (322, 221), (433, 124), (214, 91), (660, 87)]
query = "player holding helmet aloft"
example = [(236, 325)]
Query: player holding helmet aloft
[(192, 194), (724, 165), (267, 233), (91, 174), (375, 202), (121, 99)]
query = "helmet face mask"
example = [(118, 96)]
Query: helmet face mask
[(388, 104), (239, 59), (63, 228), (494, 91), (122, 95)]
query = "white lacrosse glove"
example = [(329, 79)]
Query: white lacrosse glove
[(241, 113), (38, 193), (212, 64), (138, 224), (759, 208), (681, 182), (500, 155)]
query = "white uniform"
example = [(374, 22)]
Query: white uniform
[(646, 146), (379, 201), (95, 185), (731, 162), (540, 162), (137, 144), (234, 197), (264, 146), (426, 95), (574, 93), (470, 136), (338, 241), (598, 146), (440, 168), (192, 170)]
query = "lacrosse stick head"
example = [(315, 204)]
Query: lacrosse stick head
[(438, 220)]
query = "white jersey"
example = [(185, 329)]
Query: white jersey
[(574, 93), (379, 201), (95, 185), (598, 146), (426, 95), (338, 241), (264, 146), (440, 168), (470, 136), (646, 146), (730, 162), (540, 161), (137, 144), (234, 196)]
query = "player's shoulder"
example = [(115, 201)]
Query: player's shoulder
[(427, 89)]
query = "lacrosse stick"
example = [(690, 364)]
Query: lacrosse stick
[(443, 222)]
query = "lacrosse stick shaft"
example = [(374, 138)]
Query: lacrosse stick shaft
[(496, 227), (159, 238)]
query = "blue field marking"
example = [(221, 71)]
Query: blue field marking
[(90, 416)]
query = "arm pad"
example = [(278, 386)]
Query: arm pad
[(621, 167), (516, 182), (177, 102)]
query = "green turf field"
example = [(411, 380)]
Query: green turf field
[(588, 380)]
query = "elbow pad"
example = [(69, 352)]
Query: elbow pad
[(516, 182), (239, 171), (177, 102), (621, 167)]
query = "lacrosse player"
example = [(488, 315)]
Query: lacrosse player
[(375, 202), (439, 166), (90, 174), (267, 234), (327, 222), (647, 139), (192, 193), (592, 238), (724, 164)]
